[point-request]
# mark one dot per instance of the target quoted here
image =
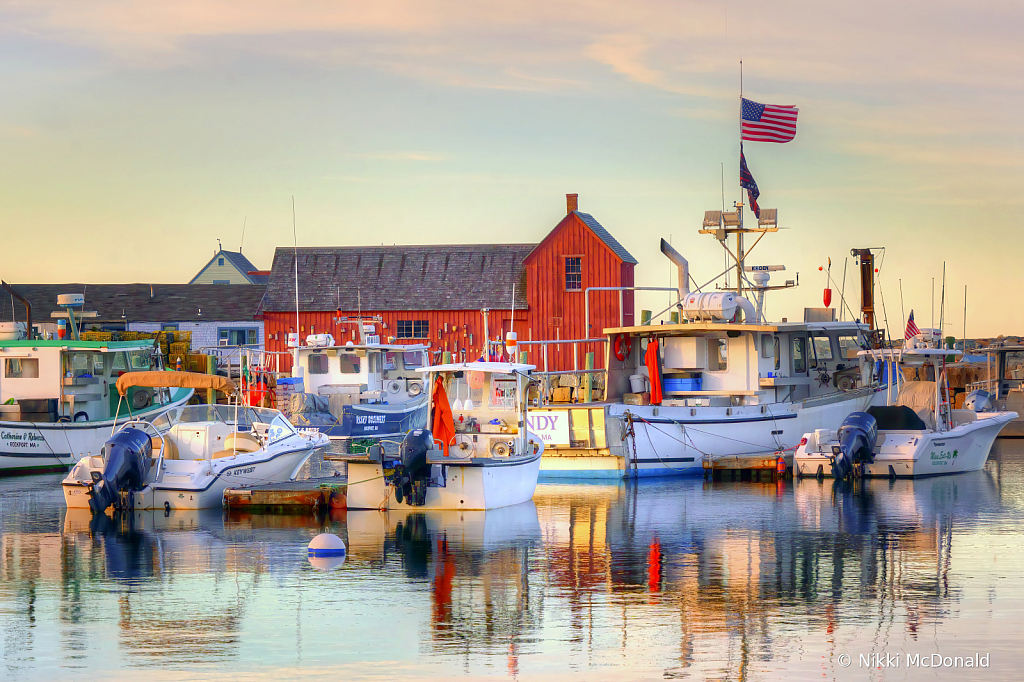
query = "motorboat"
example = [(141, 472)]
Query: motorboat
[(478, 453), (915, 434), (369, 390), (58, 402), (718, 382), (188, 455)]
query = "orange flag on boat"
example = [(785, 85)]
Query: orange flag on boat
[(653, 370), (443, 426)]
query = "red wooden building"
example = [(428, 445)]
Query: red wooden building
[(437, 294)]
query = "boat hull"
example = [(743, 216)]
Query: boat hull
[(915, 454), (683, 441), (194, 484), (471, 485), (33, 447)]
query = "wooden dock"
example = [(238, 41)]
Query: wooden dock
[(747, 468), (292, 497)]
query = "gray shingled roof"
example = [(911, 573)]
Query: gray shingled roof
[(464, 277), (239, 261), (606, 237), (169, 302)]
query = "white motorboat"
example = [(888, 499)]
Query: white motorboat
[(477, 455), (58, 402), (916, 434), (188, 455)]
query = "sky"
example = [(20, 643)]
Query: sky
[(134, 134)]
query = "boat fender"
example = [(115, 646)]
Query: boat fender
[(623, 345), (82, 416)]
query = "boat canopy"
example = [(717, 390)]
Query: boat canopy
[(479, 366), (174, 380)]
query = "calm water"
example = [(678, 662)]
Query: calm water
[(660, 580)]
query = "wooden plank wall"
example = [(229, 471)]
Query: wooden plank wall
[(461, 323), (559, 314)]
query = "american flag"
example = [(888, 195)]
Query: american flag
[(768, 122), (747, 183), (912, 329)]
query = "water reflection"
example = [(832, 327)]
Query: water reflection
[(676, 578)]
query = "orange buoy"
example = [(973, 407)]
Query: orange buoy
[(780, 465)]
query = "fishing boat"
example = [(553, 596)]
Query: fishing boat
[(1004, 384), (720, 384), (915, 434), (186, 456), (478, 453), (59, 402), (358, 391)]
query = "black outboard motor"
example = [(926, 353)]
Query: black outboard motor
[(857, 437), (411, 471), (128, 453)]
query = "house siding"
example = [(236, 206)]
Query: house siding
[(204, 334), (221, 272)]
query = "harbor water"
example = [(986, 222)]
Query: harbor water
[(661, 579)]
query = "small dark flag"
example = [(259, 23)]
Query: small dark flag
[(747, 183)]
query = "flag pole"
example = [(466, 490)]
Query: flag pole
[(739, 205)]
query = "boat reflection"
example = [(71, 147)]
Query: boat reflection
[(679, 578), (477, 564)]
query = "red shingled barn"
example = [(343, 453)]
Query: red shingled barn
[(435, 294)]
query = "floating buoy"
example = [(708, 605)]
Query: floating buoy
[(780, 465), (326, 552)]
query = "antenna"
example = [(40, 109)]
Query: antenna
[(243, 234), (295, 246)]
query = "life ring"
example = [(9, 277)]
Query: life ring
[(623, 345)]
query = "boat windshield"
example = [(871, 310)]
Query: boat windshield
[(259, 419)]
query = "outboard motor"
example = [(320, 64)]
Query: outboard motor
[(128, 453), (411, 471), (857, 437), (979, 401)]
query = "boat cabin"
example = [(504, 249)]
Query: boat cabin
[(487, 402), (719, 363), (65, 380), (365, 373)]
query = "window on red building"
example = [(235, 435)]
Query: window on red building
[(573, 273), (413, 329)]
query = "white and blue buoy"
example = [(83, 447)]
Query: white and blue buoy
[(326, 551)]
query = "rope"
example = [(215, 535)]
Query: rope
[(778, 449)]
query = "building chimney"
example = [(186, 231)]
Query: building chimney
[(572, 203)]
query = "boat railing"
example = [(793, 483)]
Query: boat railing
[(547, 375), (990, 385)]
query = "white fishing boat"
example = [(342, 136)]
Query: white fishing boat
[(478, 453), (719, 383), (915, 434), (59, 401), (188, 455), (365, 390)]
